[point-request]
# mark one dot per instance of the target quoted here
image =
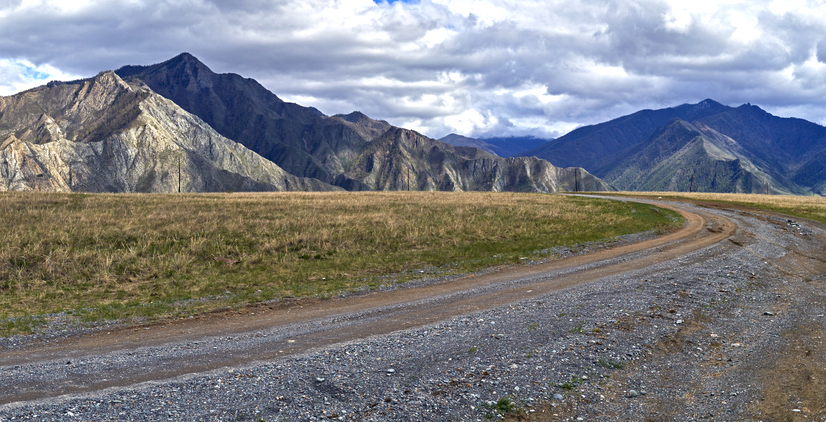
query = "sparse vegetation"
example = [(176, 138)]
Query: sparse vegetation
[(609, 364), (501, 407), (111, 256), (570, 385), (22, 324), (578, 328)]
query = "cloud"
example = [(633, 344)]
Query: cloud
[(477, 67), (19, 75)]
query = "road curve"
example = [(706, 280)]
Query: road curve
[(130, 356)]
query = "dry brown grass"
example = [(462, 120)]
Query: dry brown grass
[(114, 255)]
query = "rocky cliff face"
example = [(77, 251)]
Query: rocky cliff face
[(104, 135)]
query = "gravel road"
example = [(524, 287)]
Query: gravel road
[(731, 331)]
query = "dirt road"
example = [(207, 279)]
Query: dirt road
[(277, 344)]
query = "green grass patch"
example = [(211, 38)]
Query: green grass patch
[(503, 406), (578, 328), (610, 364), (571, 384), (146, 256), (26, 324)]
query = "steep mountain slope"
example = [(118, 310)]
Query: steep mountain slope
[(351, 151), (679, 152), (591, 146), (299, 139), (793, 146), (813, 173), (104, 135), (503, 147)]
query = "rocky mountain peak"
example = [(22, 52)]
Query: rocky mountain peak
[(190, 65), (708, 103), (183, 70), (110, 80), (186, 58)]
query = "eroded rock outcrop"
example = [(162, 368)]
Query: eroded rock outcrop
[(104, 135)]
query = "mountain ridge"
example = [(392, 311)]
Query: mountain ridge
[(680, 155), (335, 149), (127, 130), (588, 146), (787, 154)]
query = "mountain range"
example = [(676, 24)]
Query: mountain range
[(179, 127), (351, 151), (705, 146)]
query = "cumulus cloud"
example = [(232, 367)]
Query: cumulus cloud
[(476, 67), (19, 75)]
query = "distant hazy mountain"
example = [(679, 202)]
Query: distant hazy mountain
[(464, 141), (104, 135), (351, 151), (503, 147), (727, 149)]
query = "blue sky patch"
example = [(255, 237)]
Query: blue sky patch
[(394, 1), (36, 74)]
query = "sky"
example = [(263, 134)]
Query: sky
[(478, 68)]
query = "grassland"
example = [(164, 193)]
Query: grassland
[(110, 256), (809, 207)]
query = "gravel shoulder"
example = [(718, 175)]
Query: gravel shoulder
[(725, 332)]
